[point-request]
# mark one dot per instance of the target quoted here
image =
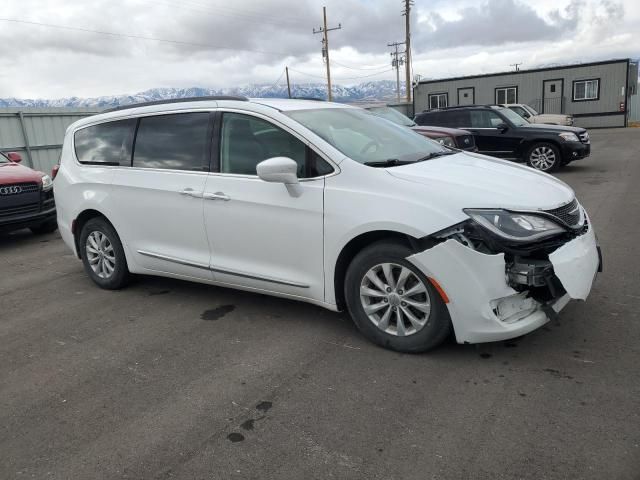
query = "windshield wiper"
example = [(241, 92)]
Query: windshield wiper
[(389, 162), (436, 154)]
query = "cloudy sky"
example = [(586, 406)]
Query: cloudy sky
[(50, 48)]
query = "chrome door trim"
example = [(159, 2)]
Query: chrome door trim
[(220, 270), (256, 277), (173, 259)]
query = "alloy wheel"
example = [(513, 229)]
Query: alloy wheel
[(100, 254), (395, 299), (543, 158)]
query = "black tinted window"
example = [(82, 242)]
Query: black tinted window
[(429, 119), (458, 118), (247, 141), (108, 143), (485, 119), (176, 142)]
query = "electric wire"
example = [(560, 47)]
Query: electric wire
[(141, 37)]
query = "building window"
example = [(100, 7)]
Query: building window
[(507, 95), (438, 100), (552, 88), (586, 89)]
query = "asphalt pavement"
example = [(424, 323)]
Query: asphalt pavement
[(169, 379)]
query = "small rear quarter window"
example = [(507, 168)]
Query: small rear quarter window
[(107, 143)]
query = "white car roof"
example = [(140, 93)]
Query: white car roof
[(281, 104)]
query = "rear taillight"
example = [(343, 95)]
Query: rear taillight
[(54, 170)]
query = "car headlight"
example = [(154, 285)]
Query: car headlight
[(569, 137), (514, 226), (446, 141), (47, 183)]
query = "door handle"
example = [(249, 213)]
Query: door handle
[(190, 192), (216, 196)]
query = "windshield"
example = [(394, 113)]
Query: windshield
[(365, 137), (3, 159), (393, 115), (513, 117), (531, 110)]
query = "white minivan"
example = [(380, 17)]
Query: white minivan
[(328, 204)]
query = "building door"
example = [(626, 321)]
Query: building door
[(552, 96), (466, 96)]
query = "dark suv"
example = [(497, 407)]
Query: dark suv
[(501, 132)]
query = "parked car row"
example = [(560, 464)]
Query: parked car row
[(332, 205), (503, 133)]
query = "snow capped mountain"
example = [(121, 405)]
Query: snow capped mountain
[(381, 90)]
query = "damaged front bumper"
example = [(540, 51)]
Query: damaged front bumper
[(483, 306)]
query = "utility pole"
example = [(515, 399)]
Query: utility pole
[(396, 62), (286, 69), (325, 48), (516, 65), (407, 42)]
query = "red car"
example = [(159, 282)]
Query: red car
[(449, 137), (26, 197)]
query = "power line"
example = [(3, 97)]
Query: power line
[(140, 37), (216, 12), (377, 67), (341, 78)]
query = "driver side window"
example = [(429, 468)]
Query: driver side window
[(485, 119), (246, 141)]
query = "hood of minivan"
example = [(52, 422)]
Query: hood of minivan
[(470, 180), (543, 127)]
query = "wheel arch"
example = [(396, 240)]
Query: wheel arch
[(357, 244), (80, 221)]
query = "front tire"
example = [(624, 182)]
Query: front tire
[(102, 254), (392, 302), (544, 157)]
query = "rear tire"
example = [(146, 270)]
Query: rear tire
[(102, 254), (544, 157), (404, 312), (46, 227)]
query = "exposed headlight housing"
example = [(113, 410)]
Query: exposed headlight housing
[(569, 137), (47, 183), (515, 226), (446, 141)]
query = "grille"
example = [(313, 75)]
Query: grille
[(465, 142), (569, 213), (22, 209), (584, 137), (26, 187)]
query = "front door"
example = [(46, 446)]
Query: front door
[(265, 236), (552, 92), (489, 138), (159, 198)]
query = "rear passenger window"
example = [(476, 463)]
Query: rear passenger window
[(175, 142), (107, 143)]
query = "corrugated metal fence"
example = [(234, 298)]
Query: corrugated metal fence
[(37, 133), (634, 108)]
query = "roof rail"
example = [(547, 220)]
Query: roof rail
[(238, 98)]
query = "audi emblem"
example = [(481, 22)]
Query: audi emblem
[(12, 190)]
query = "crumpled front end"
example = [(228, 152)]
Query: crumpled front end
[(499, 292)]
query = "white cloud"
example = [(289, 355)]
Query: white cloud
[(450, 38)]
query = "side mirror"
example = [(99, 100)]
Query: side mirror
[(14, 157), (278, 170), (502, 127)]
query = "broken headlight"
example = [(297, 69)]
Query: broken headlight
[(514, 226)]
